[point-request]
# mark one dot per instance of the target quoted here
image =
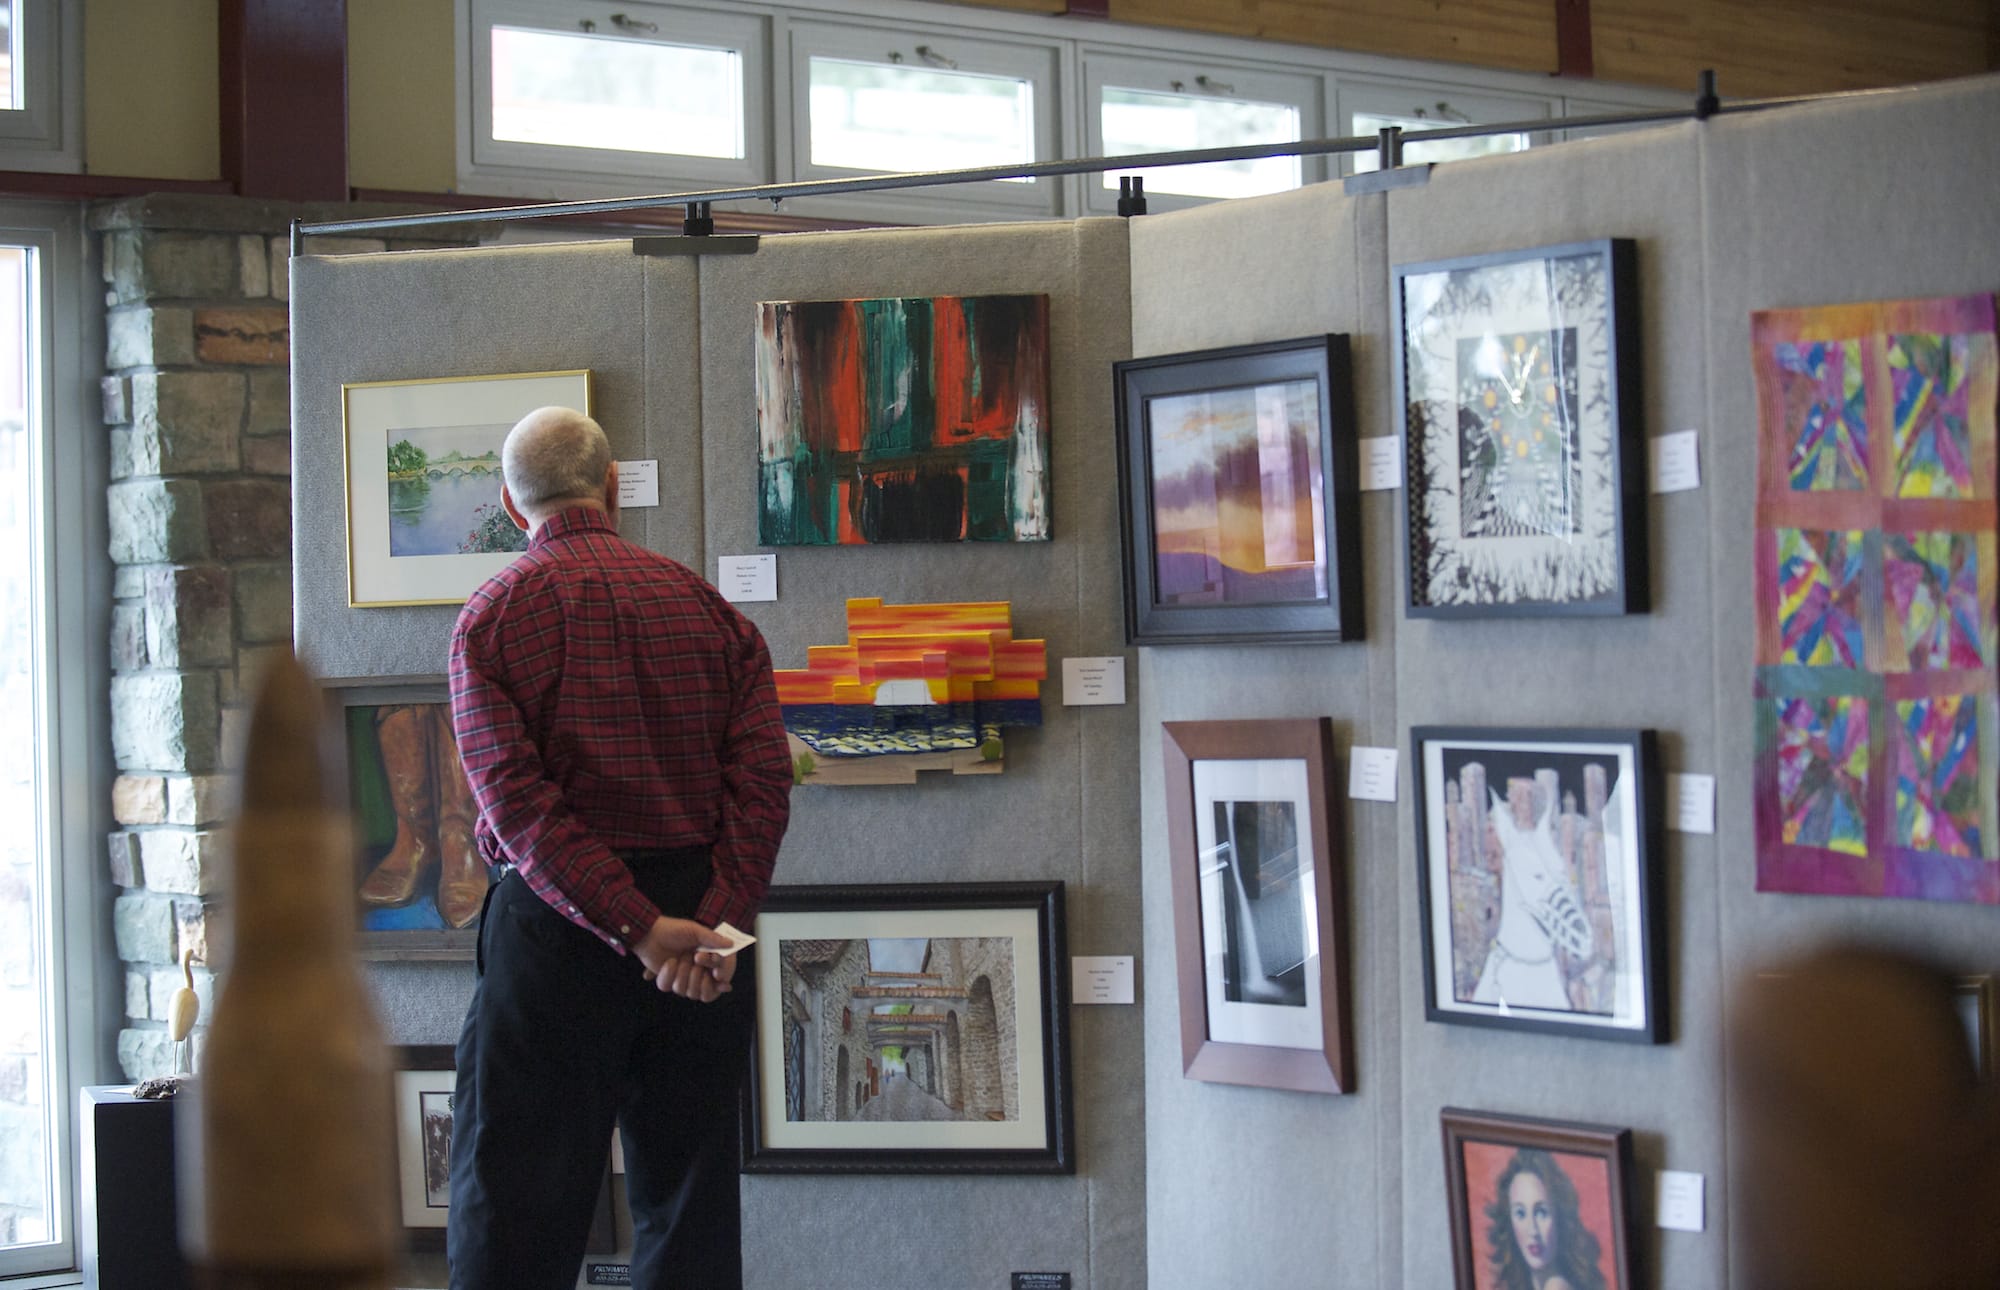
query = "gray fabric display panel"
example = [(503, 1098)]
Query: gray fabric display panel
[(1248, 1186), (1799, 211), (1064, 807), (413, 315), (671, 340), (1779, 209), (1632, 671)]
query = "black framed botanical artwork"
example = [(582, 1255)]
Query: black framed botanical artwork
[(1237, 486), (911, 1028), (1519, 393), (1538, 882), (1538, 1202), (1259, 904)]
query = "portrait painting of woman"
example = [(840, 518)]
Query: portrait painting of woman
[(1532, 1214)]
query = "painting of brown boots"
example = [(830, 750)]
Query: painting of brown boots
[(420, 868)]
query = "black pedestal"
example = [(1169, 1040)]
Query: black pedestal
[(129, 1240)]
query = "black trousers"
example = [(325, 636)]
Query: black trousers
[(565, 1037)]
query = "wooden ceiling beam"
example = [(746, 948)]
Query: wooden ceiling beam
[(284, 98)]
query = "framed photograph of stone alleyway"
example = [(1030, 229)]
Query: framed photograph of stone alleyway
[(911, 1028), (424, 521)]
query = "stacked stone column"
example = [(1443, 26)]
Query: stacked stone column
[(198, 404)]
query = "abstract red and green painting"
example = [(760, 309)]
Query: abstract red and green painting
[(915, 419), (1878, 738)]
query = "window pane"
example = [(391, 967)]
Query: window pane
[(10, 54), (625, 95), (26, 1164), (879, 116), (1150, 121), (1441, 150)]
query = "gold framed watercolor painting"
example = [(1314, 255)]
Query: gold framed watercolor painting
[(424, 520)]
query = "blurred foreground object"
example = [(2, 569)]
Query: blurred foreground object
[(1871, 1153), (287, 1179)]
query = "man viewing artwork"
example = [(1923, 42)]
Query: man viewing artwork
[(619, 725)]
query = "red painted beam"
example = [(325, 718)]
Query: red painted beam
[(1573, 56), (284, 98)]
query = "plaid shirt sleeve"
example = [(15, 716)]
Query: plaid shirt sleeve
[(757, 787), (534, 827)]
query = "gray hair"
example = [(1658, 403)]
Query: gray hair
[(554, 455)]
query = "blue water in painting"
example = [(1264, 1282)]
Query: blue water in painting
[(433, 517)]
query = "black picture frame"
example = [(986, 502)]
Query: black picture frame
[(1546, 340), (819, 1062), (1275, 606), (1553, 942)]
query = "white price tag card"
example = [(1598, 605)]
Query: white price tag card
[(1680, 1207), (1676, 462), (1105, 978), (1691, 803), (737, 940), (743, 578), (1381, 462), (1092, 681), (638, 483), (1371, 774)]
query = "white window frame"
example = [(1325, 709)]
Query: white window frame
[(46, 132), (1037, 62), (1297, 88), (1406, 98), (1070, 129), (72, 621), (516, 169)]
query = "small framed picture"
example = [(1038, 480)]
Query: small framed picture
[(1538, 1202), (1259, 904), (911, 1028), (419, 881), (1237, 484), (424, 521), (1973, 996), (1519, 396), (1539, 894), (425, 1084)]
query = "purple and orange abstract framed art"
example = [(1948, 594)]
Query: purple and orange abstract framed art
[(1237, 485), (1876, 729)]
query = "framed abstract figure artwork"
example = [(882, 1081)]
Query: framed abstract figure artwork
[(1237, 487), (911, 1028), (1259, 904), (1536, 880), (1876, 729), (1538, 1202), (1519, 396), (915, 419), (424, 520)]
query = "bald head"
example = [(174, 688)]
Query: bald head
[(555, 457)]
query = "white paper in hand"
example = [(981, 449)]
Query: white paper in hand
[(737, 940)]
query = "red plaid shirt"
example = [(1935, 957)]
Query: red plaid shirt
[(607, 699)]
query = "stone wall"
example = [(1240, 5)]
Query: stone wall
[(197, 401)]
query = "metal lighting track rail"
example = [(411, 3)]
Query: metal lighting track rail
[(1388, 144)]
